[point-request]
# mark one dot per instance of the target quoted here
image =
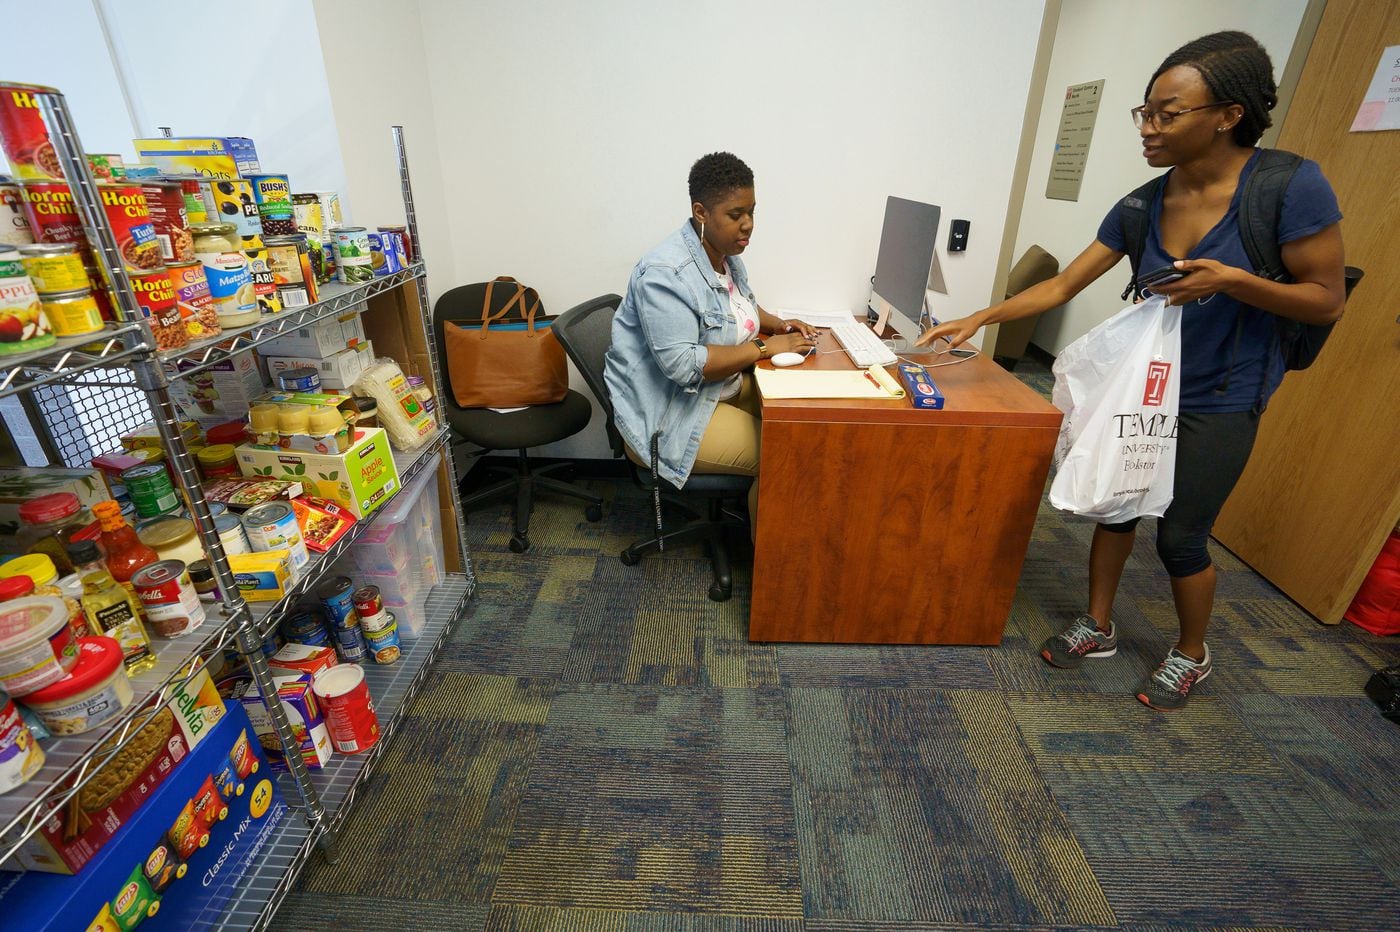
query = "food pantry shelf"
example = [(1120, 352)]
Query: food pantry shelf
[(409, 464), (24, 809), (392, 687), (336, 299), (67, 357)]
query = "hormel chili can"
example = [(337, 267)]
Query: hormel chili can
[(171, 602), (14, 225), (130, 219), (350, 716), (155, 293), (53, 218), (23, 134), (166, 202)]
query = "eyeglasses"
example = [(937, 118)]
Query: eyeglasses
[(1163, 118)]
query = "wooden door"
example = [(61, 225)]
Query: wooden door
[(1322, 490)]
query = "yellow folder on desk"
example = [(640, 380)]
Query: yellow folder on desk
[(874, 382)]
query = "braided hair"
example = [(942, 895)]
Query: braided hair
[(1235, 67), (715, 175)]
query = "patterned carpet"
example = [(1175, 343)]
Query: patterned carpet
[(602, 748)]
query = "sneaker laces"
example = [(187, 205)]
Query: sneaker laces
[(1080, 636), (1178, 673)]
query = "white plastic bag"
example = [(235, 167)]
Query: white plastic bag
[(1119, 386)]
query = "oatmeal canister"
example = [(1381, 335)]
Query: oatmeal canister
[(156, 294), (273, 195), (166, 202), (23, 134), (72, 313), (130, 219), (14, 226), (54, 267), (52, 215), (193, 299), (169, 597)]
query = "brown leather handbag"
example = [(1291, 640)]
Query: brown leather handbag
[(506, 367)]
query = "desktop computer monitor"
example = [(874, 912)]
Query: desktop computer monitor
[(907, 265)]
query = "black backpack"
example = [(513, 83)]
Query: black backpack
[(1260, 206)]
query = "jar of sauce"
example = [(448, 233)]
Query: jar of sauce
[(47, 525)]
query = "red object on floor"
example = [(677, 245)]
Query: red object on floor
[(1377, 604)]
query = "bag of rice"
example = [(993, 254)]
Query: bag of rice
[(401, 412)]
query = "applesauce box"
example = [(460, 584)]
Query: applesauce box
[(362, 478)]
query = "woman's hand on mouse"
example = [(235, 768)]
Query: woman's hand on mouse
[(1208, 277), (795, 342), (793, 325)]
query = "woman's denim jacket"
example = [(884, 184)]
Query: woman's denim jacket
[(674, 308)]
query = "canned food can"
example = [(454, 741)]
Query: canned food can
[(72, 313), (98, 286), (14, 226), (20, 754), (336, 595), (405, 243), (301, 379), (52, 215), (352, 255), (231, 534), (384, 257), (169, 597), (106, 166), (383, 642), (231, 290), (192, 188), (303, 619), (23, 324), (130, 219), (350, 715), (166, 202), (350, 644), (274, 526), (367, 601), (150, 490), (23, 134), (273, 195), (193, 300), (231, 201), (54, 267), (289, 257), (264, 282), (155, 293), (312, 225)]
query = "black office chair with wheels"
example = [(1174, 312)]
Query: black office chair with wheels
[(585, 332), (515, 430)]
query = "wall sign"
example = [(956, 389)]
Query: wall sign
[(1381, 108), (1077, 120)]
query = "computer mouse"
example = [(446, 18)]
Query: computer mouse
[(788, 359)]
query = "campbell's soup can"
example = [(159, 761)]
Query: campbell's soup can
[(166, 202), (155, 293), (23, 134), (72, 313), (169, 597), (350, 715), (231, 201), (52, 215), (14, 225), (273, 195), (192, 297), (130, 219)]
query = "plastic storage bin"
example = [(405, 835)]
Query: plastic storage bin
[(402, 553)]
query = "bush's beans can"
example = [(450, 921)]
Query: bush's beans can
[(72, 313), (290, 260), (54, 267), (264, 281), (384, 257), (274, 526), (130, 219), (367, 601), (350, 644), (405, 244), (273, 195), (14, 225), (148, 486), (166, 202), (155, 293), (350, 716), (52, 215), (336, 595), (383, 642), (169, 597), (231, 201), (23, 134), (192, 297), (353, 260)]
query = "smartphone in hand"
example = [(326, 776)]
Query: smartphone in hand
[(1163, 276)]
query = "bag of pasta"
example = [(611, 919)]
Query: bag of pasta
[(401, 411)]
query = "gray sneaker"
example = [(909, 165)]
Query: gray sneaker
[(1168, 687), (1080, 641)]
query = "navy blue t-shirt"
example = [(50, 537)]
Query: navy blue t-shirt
[(1208, 326)]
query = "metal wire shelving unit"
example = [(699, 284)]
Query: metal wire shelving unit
[(85, 391)]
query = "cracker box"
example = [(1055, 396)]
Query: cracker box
[(20, 484), (181, 856), (303, 712), (212, 157), (324, 338), (223, 391), (362, 478), (338, 371)]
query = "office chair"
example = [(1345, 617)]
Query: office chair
[(517, 430), (1035, 266), (585, 333)]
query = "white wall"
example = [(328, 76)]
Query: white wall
[(1122, 42)]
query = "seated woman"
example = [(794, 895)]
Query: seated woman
[(687, 333)]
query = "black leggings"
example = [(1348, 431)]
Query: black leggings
[(1211, 453)]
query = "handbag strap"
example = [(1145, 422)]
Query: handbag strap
[(521, 296)]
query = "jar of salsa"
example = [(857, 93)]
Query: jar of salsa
[(217, 461), (47, 525)]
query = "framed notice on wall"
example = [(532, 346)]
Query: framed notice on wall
[(1081, 111)]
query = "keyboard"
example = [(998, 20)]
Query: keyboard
[(862, 345)]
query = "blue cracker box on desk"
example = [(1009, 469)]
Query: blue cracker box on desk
[(922, 392), (140, 877)]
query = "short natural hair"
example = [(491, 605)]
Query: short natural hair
[(1235, 67), (715, 175)]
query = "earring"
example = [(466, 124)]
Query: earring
[(702, 232), (1220, 129)]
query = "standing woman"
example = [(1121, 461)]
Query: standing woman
[(688, 333), (1203, 112)]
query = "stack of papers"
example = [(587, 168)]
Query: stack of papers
[(874, 382)]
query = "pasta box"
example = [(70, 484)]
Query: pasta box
[(212, 157), (179, 858), (362, 478)]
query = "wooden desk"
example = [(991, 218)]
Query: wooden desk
[(880, 523)]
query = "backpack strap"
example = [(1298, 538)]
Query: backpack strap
[(1133, 213), (1261, 205)]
